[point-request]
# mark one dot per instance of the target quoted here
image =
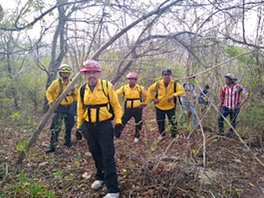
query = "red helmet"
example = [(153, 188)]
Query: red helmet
[(90, 65), (131, 75)]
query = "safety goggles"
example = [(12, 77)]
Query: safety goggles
[(65, 69)]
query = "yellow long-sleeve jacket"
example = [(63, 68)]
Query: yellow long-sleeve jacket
[(132, 95), (55, 89), (97, 97), (164, 93)]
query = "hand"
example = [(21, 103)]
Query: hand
[(169, 99), (156, 101), (239, 106), (118, 130), (219, 107), (242, 103), (78, 134), (142, 105)]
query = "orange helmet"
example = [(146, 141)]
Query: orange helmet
[(131, 75), (90, 65)]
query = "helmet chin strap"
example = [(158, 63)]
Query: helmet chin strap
[(65, 78)]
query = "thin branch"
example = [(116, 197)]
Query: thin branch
[(219, 65), (243, 22), (6, 174), (17, 28)]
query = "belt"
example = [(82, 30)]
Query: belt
[(97, 107), (132, 101)]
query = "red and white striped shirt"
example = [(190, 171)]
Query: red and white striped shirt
[(230, 96)]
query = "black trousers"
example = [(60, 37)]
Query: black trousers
[(100, 139), (56, 125), (225, 112), (136, 113), (160, 117)]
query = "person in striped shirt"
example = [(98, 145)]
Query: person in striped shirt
[(230, 102)]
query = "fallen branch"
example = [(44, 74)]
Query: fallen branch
[(6, 174)]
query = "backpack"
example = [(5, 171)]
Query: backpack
[(139, 91), (174, 90), (61, 89), (132, 99), (73, 105), (104, 84)]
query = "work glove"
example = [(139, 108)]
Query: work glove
[(78, 134), (142, 105), (118, 130)]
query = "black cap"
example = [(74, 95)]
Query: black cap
[(166, 71)]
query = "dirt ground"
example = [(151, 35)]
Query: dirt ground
[(203, 165)]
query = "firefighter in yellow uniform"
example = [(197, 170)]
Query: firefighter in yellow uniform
[(94, 121), (166, 91), (136, 98), (64, 111)]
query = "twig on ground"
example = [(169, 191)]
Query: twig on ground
[(6, 174)]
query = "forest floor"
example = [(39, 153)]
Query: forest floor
[(203, 165)]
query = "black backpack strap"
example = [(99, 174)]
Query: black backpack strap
[(140, 92), (61, 87), (157, 89), (82, 89), (105, 91)]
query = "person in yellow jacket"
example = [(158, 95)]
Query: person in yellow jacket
[(163, 93), (94, 121), (136, 98), (64, 111)]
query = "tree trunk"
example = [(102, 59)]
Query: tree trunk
[(55, 62)]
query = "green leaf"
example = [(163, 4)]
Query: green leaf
[(22, 145)]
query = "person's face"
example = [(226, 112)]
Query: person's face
[(92, 77), (228, 81), (65, 75), (132, 82), (166, 78)]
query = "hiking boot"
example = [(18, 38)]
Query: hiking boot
[(229, 134), (136, 140), (112, 195), (220, 133), (69, 144), (51, 149), (97, 184), (160, 138)]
